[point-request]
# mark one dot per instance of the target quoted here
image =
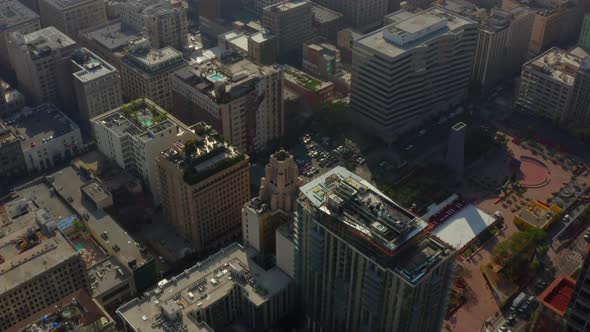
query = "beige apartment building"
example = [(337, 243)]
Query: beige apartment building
[(501, 45), (97, 85), (263, 214), (240, 99), (72, 16), (556, 85), (204, 184), (41, 61), (145, 72), (556, 22)]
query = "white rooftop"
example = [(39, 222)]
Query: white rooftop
[(463, 226), (411, 30)]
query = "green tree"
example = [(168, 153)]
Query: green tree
[(519, 252)]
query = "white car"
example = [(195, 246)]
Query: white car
[(161, 259), (409, 147)]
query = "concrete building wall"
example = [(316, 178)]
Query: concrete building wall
[(35, 294), (362, 15), (208, 213), (72, 19)]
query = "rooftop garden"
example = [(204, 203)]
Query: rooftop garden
[(304, 80), (143, 113), (209, 145)]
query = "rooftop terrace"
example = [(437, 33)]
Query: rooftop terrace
[(558, 295), (90, 65), (410, 30), (37, 126), (302, 79), (229, 270), (560, 65), (13, 13), (226, 79), (376, 225), (203, 157), (141, 118)]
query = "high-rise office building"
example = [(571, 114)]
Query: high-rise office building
[(41, 60), (38, 266), (241, 100), (584, 39), (134, 134), (556, 22), (97, 85), (15, 17), (275, 201), (363, 263), (501, 45), (290, 22), (326, 23), (226, 288), (361, 15), (262, 48), (204, 184), (578, 312), (145, 72), (162, 22), (556, 85), (72, 16), (411, 70)]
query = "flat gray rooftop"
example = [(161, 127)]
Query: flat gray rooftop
[(202, 285), (27, 252), (106, 276), (91, 66), (413, 29), (43, 42), (13, 13), (42, 124), (113, 36), (66, 4), (67, 183), (324, 15)]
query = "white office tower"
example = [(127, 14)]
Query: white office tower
[(411, 70)]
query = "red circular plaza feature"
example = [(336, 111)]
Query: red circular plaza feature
[(532, 172)]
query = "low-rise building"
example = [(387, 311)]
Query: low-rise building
[(145, 72), (312, 90), (15, 17), (72, 16), (97, 85), (134, 134), (38, 266), (76, 312), (204, 184), (225, 288), (320, 58), (47, 136), (241, 100)]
